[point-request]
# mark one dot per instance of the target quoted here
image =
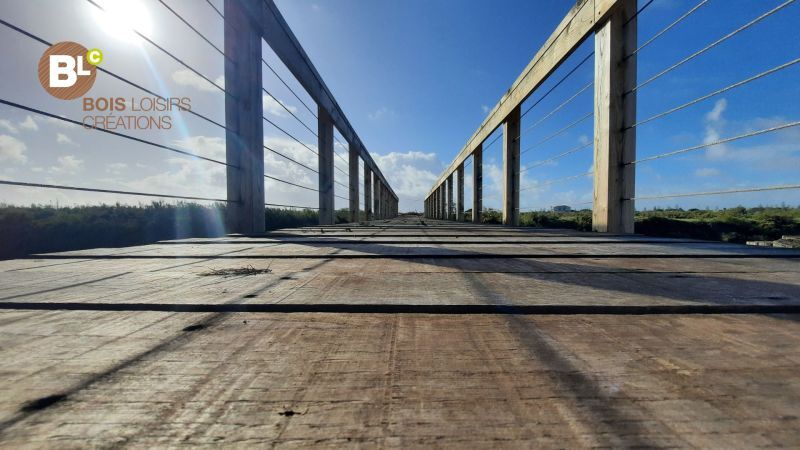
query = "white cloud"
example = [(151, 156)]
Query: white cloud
[(116, 168), (411, 174), (272, 106), (380, 113), (29, 124), (63, 139), (12, 149), (68, 164), (485, 109), (715, 123), (210, 147), (188, 78), (706, 172), (4, 123)]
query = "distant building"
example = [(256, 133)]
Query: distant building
[(561, 208)]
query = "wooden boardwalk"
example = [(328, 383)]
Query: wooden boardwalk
[(403, 333)]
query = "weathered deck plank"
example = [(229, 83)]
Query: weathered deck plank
[(143, 378)]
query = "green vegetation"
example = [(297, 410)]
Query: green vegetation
[(41, 229), (729, 225)]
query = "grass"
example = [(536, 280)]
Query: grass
[(40, 229), (727, 225)]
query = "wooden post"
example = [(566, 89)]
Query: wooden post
[(614, 145), (244, 135), (477, 184), (511, 138), (367, 193), (460, 194), (450, 197), (325, 148), (377, 198), (353, 173)]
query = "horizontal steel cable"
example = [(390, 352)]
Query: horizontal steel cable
[(215, 9), (717, 92), (290, 183), (557, 157), (290, 159), (288, 87), (558, 83), (639, 11), (558, 133), (718, 142), (111, 191), (114, 133), (290, 112), (290, 135), (557, 180), (725, 192), (166, 52), (712, 45), (108, 72), (197, 32), (290, 206), (667, 28), (557, 109)]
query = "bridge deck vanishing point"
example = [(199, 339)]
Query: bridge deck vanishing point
[(403, 333)]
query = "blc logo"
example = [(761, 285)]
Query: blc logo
[(67, 69)]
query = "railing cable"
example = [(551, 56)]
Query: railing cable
[(557, 109), (290, 183), (557, 157), (291, 159), (290, 112), (115, 133), (725, 192), (197, 32), (717, 92), (290, 206), (112, 191), (215, 9), (558, 133), (553, 88), (712, 45), (288, 87), (718, 142), (669, 27), (166, 52), (108, 72), (557, 180)]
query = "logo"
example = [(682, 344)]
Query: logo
[(67, 69)]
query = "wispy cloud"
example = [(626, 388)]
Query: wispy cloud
[(68, 164), (12, 150), (63, 139), (8, 126), (29, 124), (381, 113), (277, 107), (188, 78)]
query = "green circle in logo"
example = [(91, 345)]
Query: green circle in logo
[(94, 56)]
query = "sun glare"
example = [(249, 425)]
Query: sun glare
[(121, 18)]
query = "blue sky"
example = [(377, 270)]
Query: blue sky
[(415, 78)]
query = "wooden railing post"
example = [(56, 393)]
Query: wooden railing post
[(353, 173), (367, 193), (460, 193), (477, 184), (449, 197), (511, 138), (244, 135), (325, 147), (614, 112)]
